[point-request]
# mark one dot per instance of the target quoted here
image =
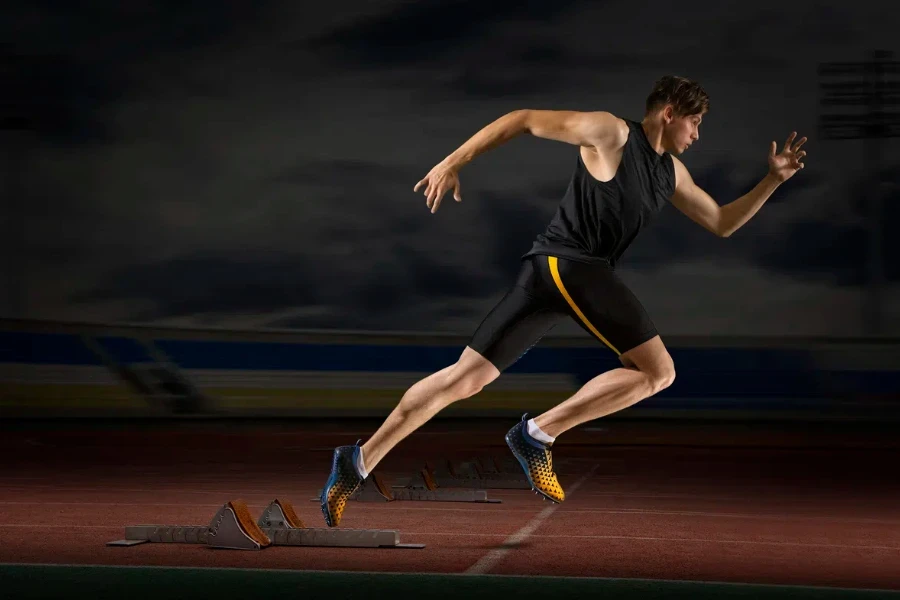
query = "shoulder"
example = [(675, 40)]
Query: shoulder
[(601, 130), (682, 175), (616, 129)]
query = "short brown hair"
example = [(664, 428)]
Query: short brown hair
[(685, 95)]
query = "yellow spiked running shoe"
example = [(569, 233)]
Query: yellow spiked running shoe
[(343, 481), (535, 458)]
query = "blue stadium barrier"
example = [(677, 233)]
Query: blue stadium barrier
[(320, 370)]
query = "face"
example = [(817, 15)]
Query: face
[(679, 132)]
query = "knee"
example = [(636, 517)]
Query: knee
[(463, 385), (662, 376)]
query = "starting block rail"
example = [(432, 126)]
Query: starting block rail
[(443, 495), (232, 527), (472, 475), (421, 487)]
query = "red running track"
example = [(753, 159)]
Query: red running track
[(714, 502)]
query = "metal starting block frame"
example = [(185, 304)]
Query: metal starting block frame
[(233, 527), (508, 465), (480, 475), (421, 487)]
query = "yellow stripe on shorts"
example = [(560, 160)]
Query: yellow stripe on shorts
[(554, 270)]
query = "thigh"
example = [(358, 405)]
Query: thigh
[(602, 304), (518, 321)]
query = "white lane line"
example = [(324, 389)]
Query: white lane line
[(490, 560)]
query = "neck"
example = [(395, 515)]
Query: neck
[(653, 131)]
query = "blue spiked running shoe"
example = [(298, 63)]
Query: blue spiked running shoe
[(535, 458), (343, 481)]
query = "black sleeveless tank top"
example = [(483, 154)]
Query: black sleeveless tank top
[(596, 221)]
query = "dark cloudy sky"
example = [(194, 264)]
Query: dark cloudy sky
[(251, 164)]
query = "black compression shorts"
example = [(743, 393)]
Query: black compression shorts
[(549, 289)]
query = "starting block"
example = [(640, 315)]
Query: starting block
[(473, 475), (233, 528), (508, 465), (421, 487)]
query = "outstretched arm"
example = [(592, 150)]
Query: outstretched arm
[(591, 129), (578, 128), (690, 199)]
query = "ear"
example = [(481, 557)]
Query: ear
[(668, 113)]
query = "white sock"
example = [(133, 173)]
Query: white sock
[(360, 465), (535, 432)]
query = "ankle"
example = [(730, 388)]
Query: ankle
[(539, 434), (360, 464)]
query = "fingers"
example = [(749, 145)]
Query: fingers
[(436, 201), (431, 191), (798, 144), (436, 185), (787, 144), (773, 148), (430, 195), (435, 195)]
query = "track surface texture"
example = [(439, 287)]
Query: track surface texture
[(750, 503)]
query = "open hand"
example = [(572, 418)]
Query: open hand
[(441, 179), (784, 164)]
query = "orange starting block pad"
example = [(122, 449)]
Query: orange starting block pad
[(233, 528)]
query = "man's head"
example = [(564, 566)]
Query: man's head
[(678, 105)]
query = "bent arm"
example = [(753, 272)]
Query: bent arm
[(579, 128), (724, 220)]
